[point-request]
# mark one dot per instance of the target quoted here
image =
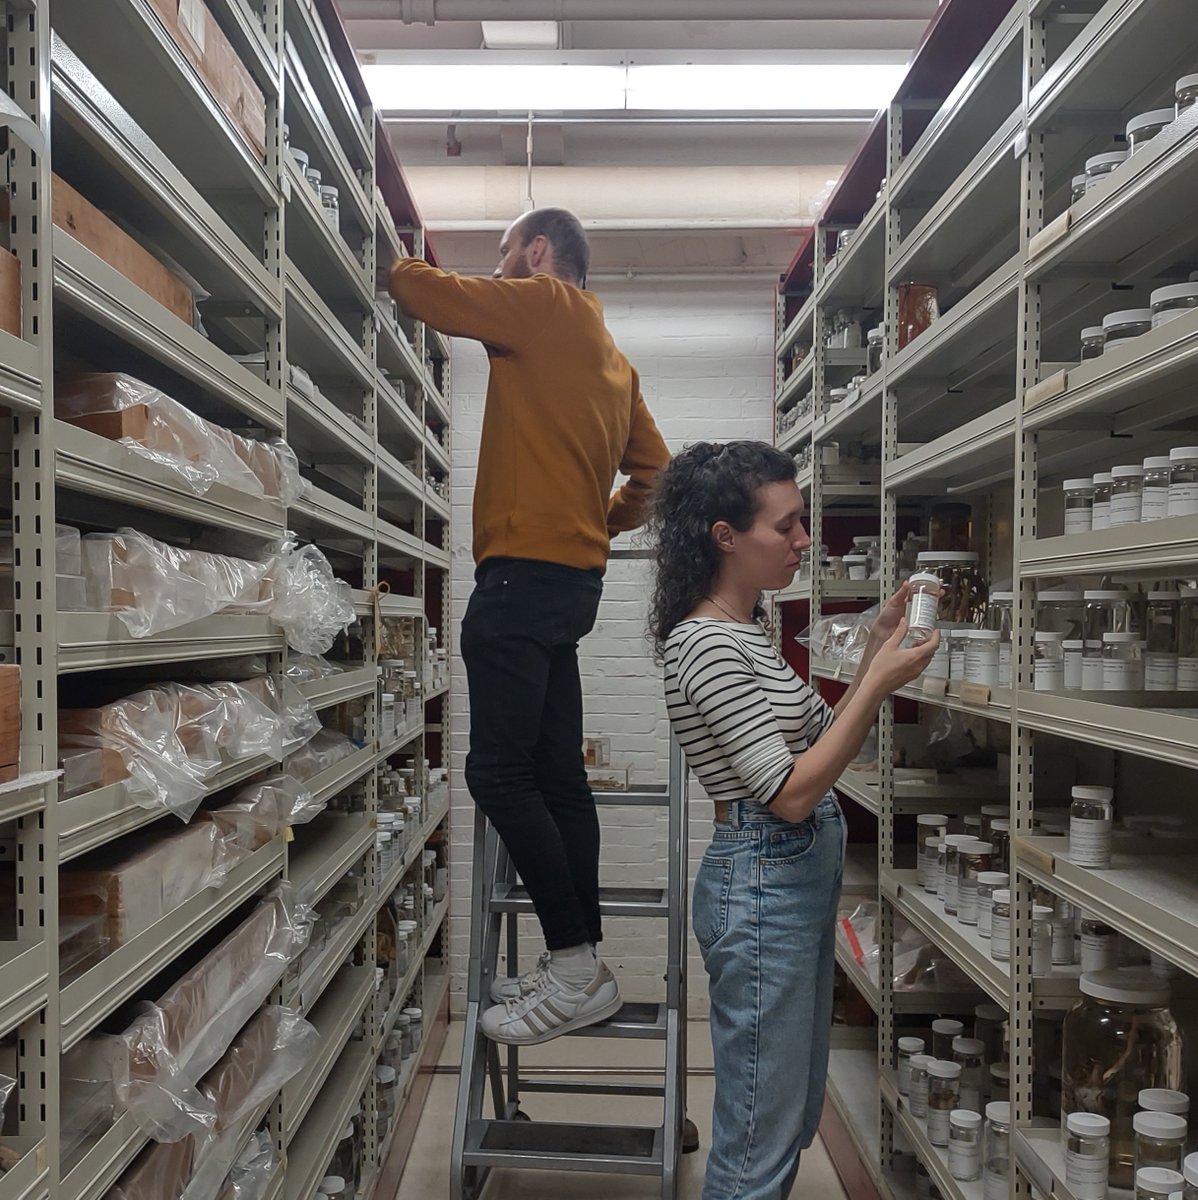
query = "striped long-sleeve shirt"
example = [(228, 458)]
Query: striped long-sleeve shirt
[(738, 710)]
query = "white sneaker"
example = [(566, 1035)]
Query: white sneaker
[(552, 1009), (512, 987)]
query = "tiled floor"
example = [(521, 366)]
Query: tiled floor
[(427, 1174)]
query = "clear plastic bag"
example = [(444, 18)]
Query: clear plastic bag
[(311, 604), (325, 750), (260, 812), (176, 1041), (840, 638), (252, 1173), (303, 668), (166, 432), (298, 722)]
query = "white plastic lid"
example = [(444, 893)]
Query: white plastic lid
[(964, 1118), (1077, 485), (949, 556), (1164, 595), (947, 1025), (348, 1131), (1041, 912), (921, 1060), (1060, 594), (876, 334), (994, 810), (856, 558), (1047, 635), (327, 189), (935, 842), (1127, 316), (936, 819), (1002, 896), (1079, 179), (414, 1013), (968, 1046), (928, 577), (1001, 824), (943, 1069), (385, 1074), (1164, 1100), (1180, 452), (998, 1111), (1093, 331), (1120, 639), (994, 879), (1186, 82), (1158, 1179), (912, 1045), (985, 635), (1106, 594), (1102, 477), (1128, 471), (1111, 158), (1190, 1166), (1088, 1124), (331, 1184), (1158, 462), (1158, 116), (1125, 985), (1175, 291), (980, 847), (1160, 1124), (1001, 1071), (1073, 644), (1000, 597)]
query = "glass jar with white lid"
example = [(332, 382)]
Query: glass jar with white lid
[(1100, 514), (1079, 504), (958, 646), (996, 1153), (1049, 661), (998, 617), (1183, 481), (1164, 1100), (1169, 303), (1127, 490), (928, 827), (1143, 128), (989, 882), (875, 343), (952, 848), (907, 1047), (1077, 188), (1154, 503), (1000, 839), (1124, 326), (1059, 610), (1099, 166), (981, 657), (963, 590), (1122, 662), (1093, 342), (1189, 1171), (1087, 1155), (1091, 819), (1186, 92), (965, 1144), (1074, 649), (1160, 654), (1158, 1183), (1160, 1139), (974, 859), (1187, 642), (1107, 610)]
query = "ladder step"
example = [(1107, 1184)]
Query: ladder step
[(613, 901), (578, 1087), (547, 1146), (634, 1020), (650, 797)]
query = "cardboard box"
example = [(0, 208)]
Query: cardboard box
[(89, 226), (195, 31), (10, 294), (10, 720)]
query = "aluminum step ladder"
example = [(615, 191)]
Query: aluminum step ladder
[(511, 1138)]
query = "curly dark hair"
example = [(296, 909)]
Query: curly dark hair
[(706, 483)]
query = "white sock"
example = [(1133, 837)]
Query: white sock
[(575, 966)]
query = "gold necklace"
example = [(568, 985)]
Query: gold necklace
[(732, 616)]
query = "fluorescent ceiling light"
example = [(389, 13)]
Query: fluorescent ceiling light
[(520, 35), (687, 87)]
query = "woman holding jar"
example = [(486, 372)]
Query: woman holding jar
[(767, 748)]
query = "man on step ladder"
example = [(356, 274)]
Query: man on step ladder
[(564, 415)]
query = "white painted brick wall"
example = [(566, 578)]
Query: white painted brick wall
[(704, 353)]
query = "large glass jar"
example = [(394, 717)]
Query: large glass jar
[(1160, 1140), (1127, 494), (1100, 513), (928, 826), (1093, 339), (1091, 818), (1143, 128), (965, 1145), (1154, 501), (952, 881), (1187, 642), (875, 341), (1160, 655), (1119, 1039), (918, 307), (963, 598), (1049, 661), (989, 1021), (1059, 610), (945, 1030), (1189, 1169), (996, 1155), (1183, 481), (1169, 303), (970, 1055), (1107, 610), (918, 1098), (1079, 504), (1158, 1183), (907, 1048), (944, 1093), (973, 860), (989, 882), (1101, 165), (1122, 662), (998, 618), (1000, 839), (1123, 327), (1087, 1155)]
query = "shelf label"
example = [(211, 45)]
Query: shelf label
[(975, 693), (1045, 390), (191, 21), (1023, 139), (1050, 234), (1033, 856), (935, 686)]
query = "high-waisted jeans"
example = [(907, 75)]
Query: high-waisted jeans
[(764, 913)]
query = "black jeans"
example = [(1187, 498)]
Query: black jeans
[(520, 640)]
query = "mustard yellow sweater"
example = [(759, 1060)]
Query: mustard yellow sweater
[(564, 414)]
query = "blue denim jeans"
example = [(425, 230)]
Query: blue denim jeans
[(764, 913)]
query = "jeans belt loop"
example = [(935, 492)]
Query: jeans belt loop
[(725, 814)]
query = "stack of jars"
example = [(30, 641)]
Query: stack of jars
[(1158, 487)]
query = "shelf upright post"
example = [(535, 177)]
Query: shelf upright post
[(1028, 351), (779, 330), (889, 533), (34, 568)]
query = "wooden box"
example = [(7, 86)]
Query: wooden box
[(89, 226), (10, 720), (10, 294)]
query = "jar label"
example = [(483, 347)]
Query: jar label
[(1155, 504), (1100, 951), (1000, 937), (904, 1074), (1092, 673), (964, 1162), (918, 1100), (1124, 510), (923, 611), (981, 666), (995, 1186), (1100, 517), (1041, 952), (1077, 520), (1187, 674), (1062, 942), (956, 664), (1160, 671), (1183, 499), (1122, 675), (1073, 670), (1089, 842), (985, 914), (938, 1126), (1050, 676), (1086, 1175)]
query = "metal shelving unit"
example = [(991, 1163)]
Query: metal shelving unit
[(133, 125), (989, 405)]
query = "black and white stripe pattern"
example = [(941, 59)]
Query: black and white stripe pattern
[(737, 709)]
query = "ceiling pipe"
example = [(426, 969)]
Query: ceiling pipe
[(429, 12), (636, 225)]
